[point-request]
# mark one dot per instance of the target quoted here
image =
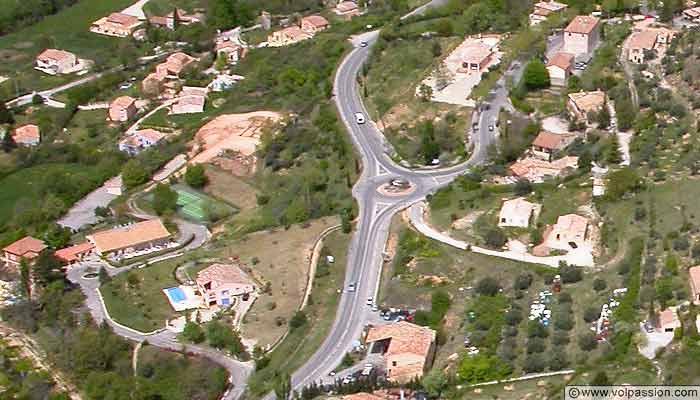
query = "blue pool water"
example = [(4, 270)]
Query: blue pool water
[(176, 294)]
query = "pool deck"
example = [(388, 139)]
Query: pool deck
[(191, 301)]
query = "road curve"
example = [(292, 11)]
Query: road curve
[(375, 211)]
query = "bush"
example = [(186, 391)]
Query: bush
[(570, 273), (563, 322), (560, 338), (298, 320), (523, 281), (513, 317), (599, 284), (558, 359), (522, 187), (195, 176), (535, 75), (591, 313), (534, 363), (564, 298), (487, 286), (193, 332), (495, 237), (535, 345), (535, 329), (587, 341)]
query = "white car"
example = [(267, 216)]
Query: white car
[(370, 301), (359, 118)]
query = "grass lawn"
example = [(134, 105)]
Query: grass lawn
[(162, 7), (143, 305), (20, 188), (301, 343), (90, 127)]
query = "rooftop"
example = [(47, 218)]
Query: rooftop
[(405, 338), (26, 245), (588, 101), (518, 206), (582, 24), (645, 39), (71, 253), (223, 274), (316, 20), (549, 140), (26, 133), (123, 102), (122, 19), (572, 223), (562, 60), (55, 55), (150, 134), (132, 235)]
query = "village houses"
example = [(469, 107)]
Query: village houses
[(287, 36), (53, 62), (141, 140), (559, 68), (122, 109), (27, 135), (127, 239), (517, 213), (547, 144), (347, 9), (475, 57), (582, 105), (694, 273), (408, 349), (544, 9), (647, 40), (314, 24), (570, 232), (27, 248), (221, 284), (233, 52), (170, 69), (116, 24), (581, 35), (168, 21)]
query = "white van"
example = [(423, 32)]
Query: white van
[(359, 118)]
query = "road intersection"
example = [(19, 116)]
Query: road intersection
[(376, 210)]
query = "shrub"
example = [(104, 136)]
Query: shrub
[(587, 341), (487, 286), (599, 284), (298, 320)]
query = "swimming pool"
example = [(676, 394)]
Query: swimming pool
[(176, 295)]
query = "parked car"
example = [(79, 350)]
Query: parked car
[(351, 287)]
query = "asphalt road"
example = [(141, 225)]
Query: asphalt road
[(376, 210)]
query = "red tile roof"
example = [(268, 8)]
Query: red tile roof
[(405, 338), (72, 253), (25, 245), (561, 60), (550, 141), (582, 24)]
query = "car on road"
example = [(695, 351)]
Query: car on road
[(490, 128), (351, 287), (363, 44), (359, 118), (370, 301)]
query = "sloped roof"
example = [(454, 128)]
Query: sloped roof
[(223, 274), (549, 140), (517, 207), (122, 19), (572, 223), (71, 253), (645, 39), (26, 245), (26, 134), (55, 55), (582, 24), (316, 20), (562, 60), (132, 235), (405, 338), (123, 102)]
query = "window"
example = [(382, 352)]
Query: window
[(393, 363)]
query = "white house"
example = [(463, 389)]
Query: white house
[(517, 213), (570, 232), (581, 35), (559, 68)]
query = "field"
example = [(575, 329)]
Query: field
[(237, 191), (20, 189), (302, 342)]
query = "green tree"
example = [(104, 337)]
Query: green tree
[(25, 278), (536, 75), (193, 332), (164, 199), (6, 116), (133, 174), (196, 176), (435, 382), (104, 276)]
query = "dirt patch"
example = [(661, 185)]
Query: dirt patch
[(236, 163), (236, 132), (467, 221), (230, 188), (280, 257)]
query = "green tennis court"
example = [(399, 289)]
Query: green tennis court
[(191, 204)]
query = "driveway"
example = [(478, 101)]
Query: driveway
[(654, 341), (83, 212)]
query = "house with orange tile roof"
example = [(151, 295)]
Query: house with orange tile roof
[(518, 213), (175, 64), (116, 24), (53, 61), (141, 140), (537, 171), (547, 144), (221, 284), (130, 238), (314, 24), (73, 254), (570, 232), (27, 135), (287, 36), (153, 84), (582, 104), (27, 248), (475, 56), (581, 35), (347, 9), (647, 40), (122, 109), (694, 275), (559, 68), (408, 349), (668, 320), (544, 9)]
